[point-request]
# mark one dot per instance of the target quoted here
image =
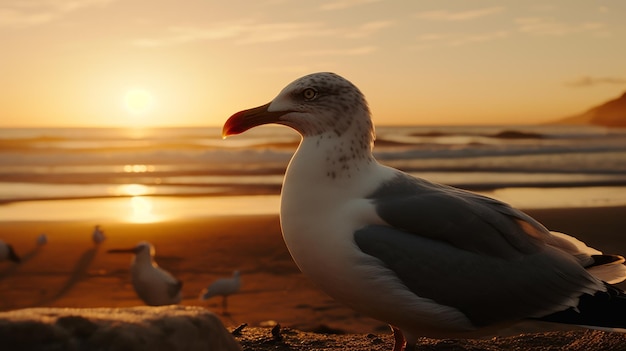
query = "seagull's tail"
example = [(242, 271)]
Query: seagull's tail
[(608, 268), (605, 310)]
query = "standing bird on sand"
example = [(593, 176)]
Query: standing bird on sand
[(98, 235), (8, 253), (42, 239), (429, 259), (153, 285), (222, 287)]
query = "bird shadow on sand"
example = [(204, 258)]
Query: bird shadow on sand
[(228, 317), (23, 259), (78, 274), (224, 315)]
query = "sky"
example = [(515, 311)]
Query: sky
[(145, 63)]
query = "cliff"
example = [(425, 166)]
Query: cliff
[(609, 114)]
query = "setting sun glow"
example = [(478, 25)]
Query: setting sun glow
[(195, 64), (138, 101)]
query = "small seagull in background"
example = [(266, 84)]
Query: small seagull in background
[(98, 235), (42, 239), (7, 253), (222, 287), (153, 285)]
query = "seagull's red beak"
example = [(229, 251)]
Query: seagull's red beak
[(246, 119)]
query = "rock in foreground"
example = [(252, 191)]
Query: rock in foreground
[(187, 328), (165, 328)]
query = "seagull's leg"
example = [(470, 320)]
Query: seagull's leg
[(399, 341), (225, 305)]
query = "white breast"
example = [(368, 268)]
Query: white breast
[(319, 216), (153, 285)]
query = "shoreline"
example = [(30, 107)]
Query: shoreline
[(157, 208), (273, 189)]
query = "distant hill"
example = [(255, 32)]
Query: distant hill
[(610, 114)]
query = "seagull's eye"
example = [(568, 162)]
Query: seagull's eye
[(309, 93)]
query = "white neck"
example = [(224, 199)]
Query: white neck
[(334, 155), (328, 168), (143, 259)]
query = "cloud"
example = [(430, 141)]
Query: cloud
[(444, 15), (180, 35), (245, 32), (429, 40), (369, 29), (478, 38), (543, 7), (432, 37), (275, 32), (251, 32), (551, 27), (17, 19), (27, 14), (291, 69), (357, 51), (588, 81), (344, 4)]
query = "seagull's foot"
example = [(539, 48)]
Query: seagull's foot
[(399, 341)]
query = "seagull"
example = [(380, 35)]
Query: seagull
[(428, 259), (42, 239), (8, 253), (153, 285), (222, 287), (98, 235)]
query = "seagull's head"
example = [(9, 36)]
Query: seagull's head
[(314, 104), (143, 249)]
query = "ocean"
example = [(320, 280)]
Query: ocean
[(542, 163)]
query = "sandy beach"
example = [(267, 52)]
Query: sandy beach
[(70, 271)]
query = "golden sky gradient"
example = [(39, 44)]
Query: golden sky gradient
[(195, 62)]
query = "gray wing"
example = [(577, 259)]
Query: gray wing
[(487, 289), (466, 220), (471, 252)]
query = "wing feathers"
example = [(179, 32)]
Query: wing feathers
[(465, 220), (486, 289)]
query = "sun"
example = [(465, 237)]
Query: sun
[(138, 101)]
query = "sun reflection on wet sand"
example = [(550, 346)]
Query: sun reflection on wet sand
[(142, 210), (133, 190), (140, 207)]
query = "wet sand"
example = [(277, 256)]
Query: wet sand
[(70, 271)]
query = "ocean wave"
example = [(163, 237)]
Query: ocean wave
[(504, 134), (49, 163)]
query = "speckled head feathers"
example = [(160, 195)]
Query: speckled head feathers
[(314, 104), (332, 102)]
